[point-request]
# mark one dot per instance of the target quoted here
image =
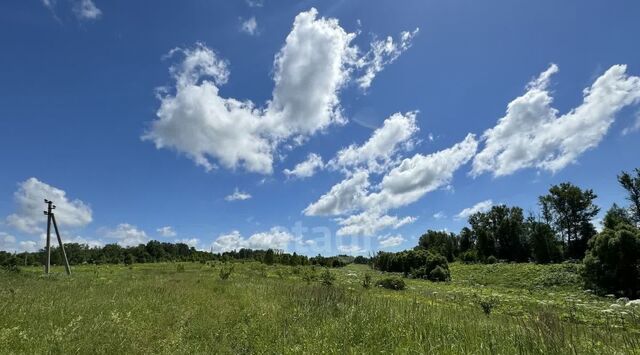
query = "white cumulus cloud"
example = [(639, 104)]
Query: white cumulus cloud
[(29, 199), (532, 134), (350, 249), (478, 207), (369, 223), (306, 168), (388, 241), (275, 238), (311, 68), (404, 184), (343, 197), (192, 242), (377, 152), (416, 176), (127, 235), (238, 195), (166, 231)]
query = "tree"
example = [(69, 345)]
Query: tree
[(612, 264), (631, 183), (570, 210), (500, 232), (467, 240), (615, 216), (542, 241), (439, 242), (269, 257)]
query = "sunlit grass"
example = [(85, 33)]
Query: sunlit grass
[(160, 308)]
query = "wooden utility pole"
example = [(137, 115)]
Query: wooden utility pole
[(51, 217)]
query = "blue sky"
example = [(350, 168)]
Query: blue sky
[(186, 120)]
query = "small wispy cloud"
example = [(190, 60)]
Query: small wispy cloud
[(238, 195), (478, 207), (167, 231), (439, 215), (249, 26), (634, 127), (86, 10), (255, 3)]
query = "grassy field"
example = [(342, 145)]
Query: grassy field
[(168, 308)]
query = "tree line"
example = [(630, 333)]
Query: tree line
[(563, 230), (155, 251), (560, 231)]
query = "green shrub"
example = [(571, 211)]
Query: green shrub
[(491, 260), (180, 268), (487, 303), (10, 264), (430, 263), (612, 263), (226, 271), (327, 278), (439, 274), (392, 283), (309, 275), (469, 257), (366, 282)]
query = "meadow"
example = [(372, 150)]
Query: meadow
[(188, 308)]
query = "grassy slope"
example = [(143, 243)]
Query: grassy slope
[(155, 309)]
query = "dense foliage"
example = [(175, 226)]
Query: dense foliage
[(392, 283), (155, 251), (612, 264), (570, 210), (415, 263)]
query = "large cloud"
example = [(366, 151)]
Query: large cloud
[(29, 199), (389, 241), (377, 152), (11, 244), (127, 235), (344, 197), (421, 174), (407, 182), (369, 223), (315, 62), (533, 135), (275, 238)]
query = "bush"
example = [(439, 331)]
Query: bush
[(487, 304), (180, 268), (414, 263), (439, 274), (392, 283), (366, 282), (327, 278), (10, 264), (469, 257), (491, 260), (309, 275), (225, 272), (612, 263)]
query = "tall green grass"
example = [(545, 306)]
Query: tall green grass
[(156, 309)]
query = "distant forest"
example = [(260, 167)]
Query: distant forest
[(562, 230), (155, 251)]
